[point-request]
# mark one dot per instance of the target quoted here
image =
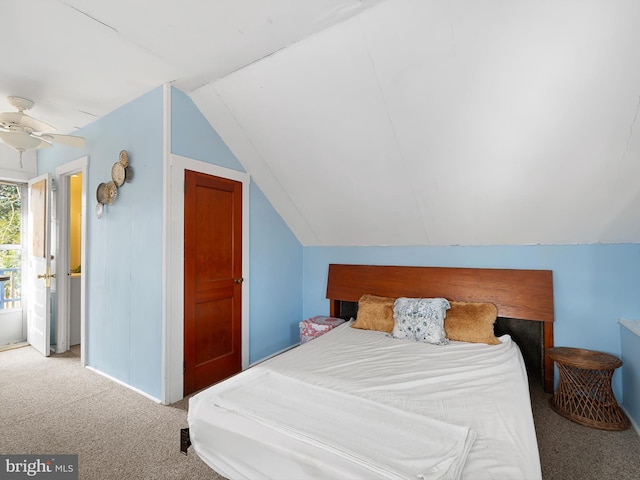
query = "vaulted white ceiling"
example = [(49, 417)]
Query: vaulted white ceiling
[(380, 122)]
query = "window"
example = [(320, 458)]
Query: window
[(10, 246)]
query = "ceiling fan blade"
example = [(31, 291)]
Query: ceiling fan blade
[(43, 143), (25, 121), (70, 140)]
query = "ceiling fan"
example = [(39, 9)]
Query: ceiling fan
[(23, 132)]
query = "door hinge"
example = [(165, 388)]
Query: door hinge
[(184, 367)]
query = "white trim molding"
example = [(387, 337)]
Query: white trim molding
[(174, 338), (63, 172), (166, 241)]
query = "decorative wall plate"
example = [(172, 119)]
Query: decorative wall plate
[(118, 174), (124, 158), (111, 192), (101, 193)]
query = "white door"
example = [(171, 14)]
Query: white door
[(39, 264)]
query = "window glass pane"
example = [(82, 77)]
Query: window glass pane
[(10, 214), (10, 246)]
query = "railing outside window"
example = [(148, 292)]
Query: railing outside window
[(10, 295)]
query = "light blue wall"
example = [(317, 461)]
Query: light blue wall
[(594, 285), (193, 137), (275, 255), (124, 247), (276, 281)]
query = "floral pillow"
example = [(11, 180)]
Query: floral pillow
[(420, 319)]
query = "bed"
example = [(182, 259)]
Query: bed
[(358, 403)]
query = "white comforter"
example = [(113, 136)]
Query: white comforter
[(346, 398)]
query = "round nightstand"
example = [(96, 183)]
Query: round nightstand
[(584, 392)]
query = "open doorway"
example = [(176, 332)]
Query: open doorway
[(71, 199), (74, 260)]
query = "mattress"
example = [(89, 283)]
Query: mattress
[(360, 404)]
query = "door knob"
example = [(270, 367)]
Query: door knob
[(239, 280), (47, 276)]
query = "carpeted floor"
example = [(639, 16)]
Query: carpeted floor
[(53, 406), (571, 451)]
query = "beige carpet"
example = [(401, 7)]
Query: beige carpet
[(53, 406), (571, 451)]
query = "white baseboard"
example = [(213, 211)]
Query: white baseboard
[(158, 400), (144, 394)]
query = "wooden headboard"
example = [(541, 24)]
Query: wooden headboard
[(518, 294)]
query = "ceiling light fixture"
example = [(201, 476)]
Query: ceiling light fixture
[(24, 133)]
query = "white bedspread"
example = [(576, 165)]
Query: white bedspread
[(414, 446), (456, 391)]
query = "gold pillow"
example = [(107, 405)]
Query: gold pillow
[(375, 313), (471, 322)]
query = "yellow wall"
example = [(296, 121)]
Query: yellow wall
[(75, 220)]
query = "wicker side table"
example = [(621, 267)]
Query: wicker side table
[(584, 392)]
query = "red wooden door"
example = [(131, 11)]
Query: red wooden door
[(212, 280)]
